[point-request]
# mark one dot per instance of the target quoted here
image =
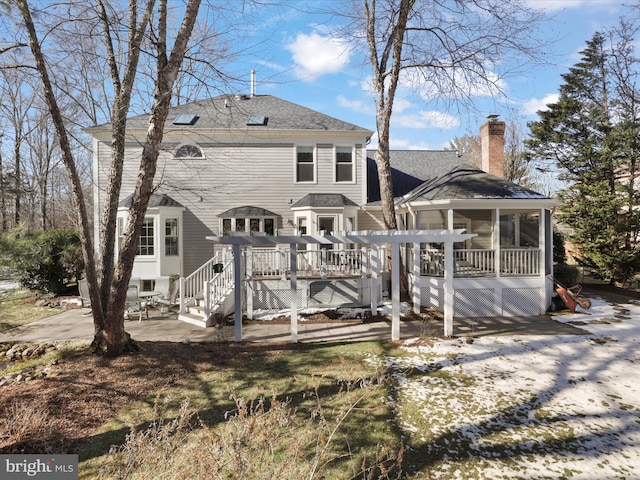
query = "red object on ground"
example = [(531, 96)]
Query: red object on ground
[(571, 297)]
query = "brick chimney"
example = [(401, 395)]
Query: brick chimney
[(492, 144)]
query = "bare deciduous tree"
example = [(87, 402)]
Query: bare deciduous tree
[(447, 51), (108, 293)]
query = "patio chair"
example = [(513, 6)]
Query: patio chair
[(168, 300), (133, 303), (83, 291)]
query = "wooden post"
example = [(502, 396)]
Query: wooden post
[(448, 288), (375, 266), (294, 292), (416, 287), (395, 291), (237, 293), (249, 282)]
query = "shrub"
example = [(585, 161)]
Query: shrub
[(559, 250), (46, 261), (26, 428), (567, 275), (260, 439)]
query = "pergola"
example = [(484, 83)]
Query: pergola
[(394, 238)]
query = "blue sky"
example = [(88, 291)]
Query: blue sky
[(301, 63)]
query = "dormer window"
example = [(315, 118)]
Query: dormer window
[(189, 151)]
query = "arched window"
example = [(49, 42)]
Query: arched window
[(188, 151)]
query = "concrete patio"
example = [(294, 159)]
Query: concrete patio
[(77, 324)]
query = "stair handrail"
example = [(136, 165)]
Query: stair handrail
[(193, 285), (217, 289)]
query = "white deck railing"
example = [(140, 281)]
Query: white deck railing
[(520, 261), (218, 288), (274, 263), (193, 285), (481, 262)]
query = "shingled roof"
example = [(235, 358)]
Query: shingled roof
[(319, 200), (245, 112), (410, 169), (466, 181), (156, 200)]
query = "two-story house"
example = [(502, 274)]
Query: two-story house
[(262, 165)]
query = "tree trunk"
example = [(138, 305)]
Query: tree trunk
[(77, 193), (112, 339)]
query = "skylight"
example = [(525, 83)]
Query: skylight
[(257, 119), (186, 119)]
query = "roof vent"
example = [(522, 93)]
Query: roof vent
[(186, 119)]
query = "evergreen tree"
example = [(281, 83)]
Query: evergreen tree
[(590, 134)]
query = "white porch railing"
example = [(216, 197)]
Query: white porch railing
[(520, 261), (193, 285), (276, 263), (218, 288), (481, 262)]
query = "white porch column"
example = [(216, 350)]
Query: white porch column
[(183, 308), (544, 248), (416, 289), (323, 263), (375, 268), (282, 263), (294, 292), (496, 243), (237, 292), (395, 291), (448, 288), (497, 264), (206, 297), (249, 283)]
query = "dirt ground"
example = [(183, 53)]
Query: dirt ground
[(61, 412)]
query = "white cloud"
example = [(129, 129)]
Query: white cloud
[(556, 5), (426, 119), (315, 55), (401, 104), (357, 105), (532, 105)]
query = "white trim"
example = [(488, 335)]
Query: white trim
[(295, 164), (353, 165), (188, 144)]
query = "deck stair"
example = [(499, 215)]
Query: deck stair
[(215, 295)]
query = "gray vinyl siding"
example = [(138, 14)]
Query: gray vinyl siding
[(230, 176)]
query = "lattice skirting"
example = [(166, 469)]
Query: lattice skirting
[(432, 297), (481, 302), (277, 299), (475, 302), (521, 301)]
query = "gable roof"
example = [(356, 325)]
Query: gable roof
[(239, 112), (466, 182), (410, 169)]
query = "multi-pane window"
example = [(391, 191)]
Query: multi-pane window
[(305, 166), (188, 151), (171, 237), (255, 224), (344, 164), (146, 245)]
